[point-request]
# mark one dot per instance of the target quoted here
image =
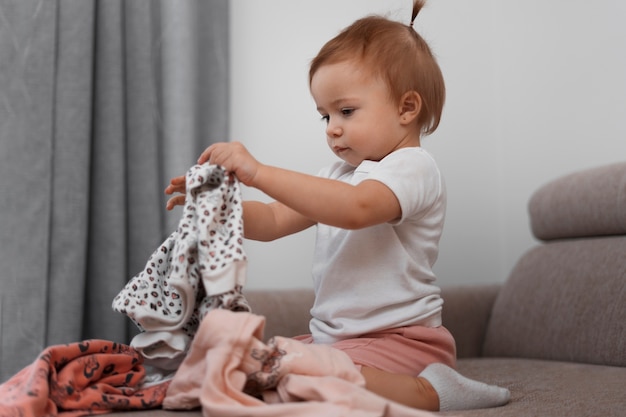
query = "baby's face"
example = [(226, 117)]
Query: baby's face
[(363, 123)]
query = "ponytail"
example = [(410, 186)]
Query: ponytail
[(417, 6)]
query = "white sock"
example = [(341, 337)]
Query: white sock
[(457, 392)]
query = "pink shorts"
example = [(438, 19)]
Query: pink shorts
[(403, 350)]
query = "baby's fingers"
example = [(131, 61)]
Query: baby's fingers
[(178, 200), (205, 156), (176, 185), (180, 180)]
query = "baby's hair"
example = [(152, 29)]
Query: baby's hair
[(397, 54), (417, 6)]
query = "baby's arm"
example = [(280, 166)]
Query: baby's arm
[(319, 199), (271, 221), (262, 221)]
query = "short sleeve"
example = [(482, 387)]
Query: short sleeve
[(414, 177)]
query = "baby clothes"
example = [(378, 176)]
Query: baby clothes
[(229, 372), (198, 268), (77, 379), (395, 287)]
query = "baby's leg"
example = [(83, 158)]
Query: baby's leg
[(407, 390), (426, 352), (438, 387)]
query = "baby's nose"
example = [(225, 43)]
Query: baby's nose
[(333, 130)]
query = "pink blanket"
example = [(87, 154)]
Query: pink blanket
[(77, 379), (309, 380)]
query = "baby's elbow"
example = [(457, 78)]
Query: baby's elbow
[(364, 215), (357, 221)]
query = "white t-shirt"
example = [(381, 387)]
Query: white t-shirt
[(381, 277)]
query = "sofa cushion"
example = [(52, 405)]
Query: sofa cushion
[(465, 314), (548, 388), (586, 203), (286, 311), (538, 388), (564, 300)]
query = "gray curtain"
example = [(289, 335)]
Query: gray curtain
[(101, 102)]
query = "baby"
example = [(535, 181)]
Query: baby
[(379, 213)]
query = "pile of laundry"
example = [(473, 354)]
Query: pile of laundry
[(200, 346)]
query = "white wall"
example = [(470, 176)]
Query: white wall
[(536, 89)]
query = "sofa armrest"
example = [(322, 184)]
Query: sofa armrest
[(286, 311), (466, 313)]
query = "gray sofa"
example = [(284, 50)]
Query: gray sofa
[(555, 332)]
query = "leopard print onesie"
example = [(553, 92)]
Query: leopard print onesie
[(198, 268)]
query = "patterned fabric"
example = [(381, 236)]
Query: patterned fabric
[(85, 378), (199, 267)]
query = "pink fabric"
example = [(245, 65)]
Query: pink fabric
[(404, 350), (331, 396), (322, 380), (78, 379)]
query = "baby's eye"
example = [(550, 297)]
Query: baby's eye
[(325, 118), (347, 111)]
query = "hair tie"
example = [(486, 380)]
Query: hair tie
[(417, 6)]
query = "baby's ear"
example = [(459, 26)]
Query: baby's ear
[(410, 107)]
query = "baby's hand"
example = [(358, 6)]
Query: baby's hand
[(177, 185), (234, 157)]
